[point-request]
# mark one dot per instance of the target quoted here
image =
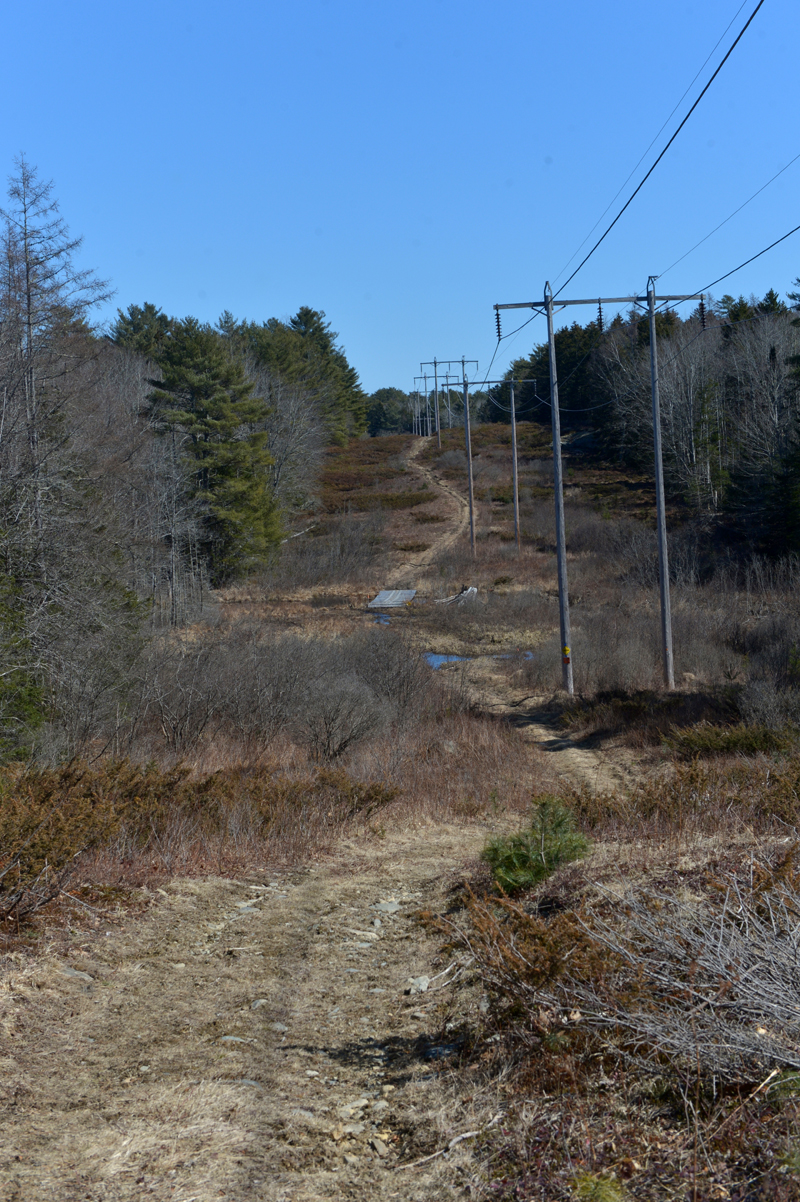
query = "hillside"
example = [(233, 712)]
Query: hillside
[(280, 967)]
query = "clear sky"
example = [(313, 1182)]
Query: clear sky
[(403, 166)]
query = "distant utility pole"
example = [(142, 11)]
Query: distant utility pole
[(514, 468), (447, 401), (663, 563), (419, 425), (447, 364), (515, 472), (517, 536), (427, 421), (468, 446)]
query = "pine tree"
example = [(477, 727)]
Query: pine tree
[(205, 397), (143, 328)]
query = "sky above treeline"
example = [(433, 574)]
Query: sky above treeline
[(405, 166)]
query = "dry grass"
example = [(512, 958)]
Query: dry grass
[(116, 824), (641, 1036)]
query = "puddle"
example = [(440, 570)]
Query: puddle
[(436, 661), (382, 619)]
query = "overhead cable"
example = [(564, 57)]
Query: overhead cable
[(650, 171), (751, 259), (733, 214), (636, 166)]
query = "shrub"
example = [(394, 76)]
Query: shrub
[(594, 1187), (367, 501), (50, 819), (523, 860), (705, 739)]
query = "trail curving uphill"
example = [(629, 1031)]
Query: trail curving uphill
[(573, 761), (457, 523)]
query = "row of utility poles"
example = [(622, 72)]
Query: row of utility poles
[(423, 424), (425, 421), (548, 304)]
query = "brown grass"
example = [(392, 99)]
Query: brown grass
[(643, 1015), (118, 824)]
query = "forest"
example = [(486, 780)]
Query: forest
[(728, 379), (140, 466)]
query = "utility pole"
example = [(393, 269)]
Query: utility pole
[(418, 422), (661, 519), (663, 565), (446, 363), (514, 468), (561, 546), (427, 421), (468, 444)]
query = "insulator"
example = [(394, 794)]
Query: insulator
[(497, 318), (600, 316), (702, 313)]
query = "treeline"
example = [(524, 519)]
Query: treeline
[(392, 411), (729, 378), (138, 467)]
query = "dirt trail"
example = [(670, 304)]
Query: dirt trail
[(580, 765), (447, 534), (602, 769), (240, 1041)]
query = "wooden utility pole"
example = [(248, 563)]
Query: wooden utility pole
[(514, 469), (514, 453), (436, 402), (663, 564), (558, 480), (427, 408), (661, 519), (468, 445), (435, 364)]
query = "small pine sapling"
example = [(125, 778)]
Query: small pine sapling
[(525, 859)]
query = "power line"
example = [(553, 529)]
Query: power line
[(653, 142), (733, 214), (647, 175), (752, 258)]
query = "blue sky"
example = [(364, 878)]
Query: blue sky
[(404, 166)]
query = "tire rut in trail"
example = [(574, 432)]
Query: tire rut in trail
[(602, 770), (238, 1042)]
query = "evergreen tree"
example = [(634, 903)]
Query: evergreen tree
[(205, 396), (388, 410), (577, 385), (304, 351), (143, 328)]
